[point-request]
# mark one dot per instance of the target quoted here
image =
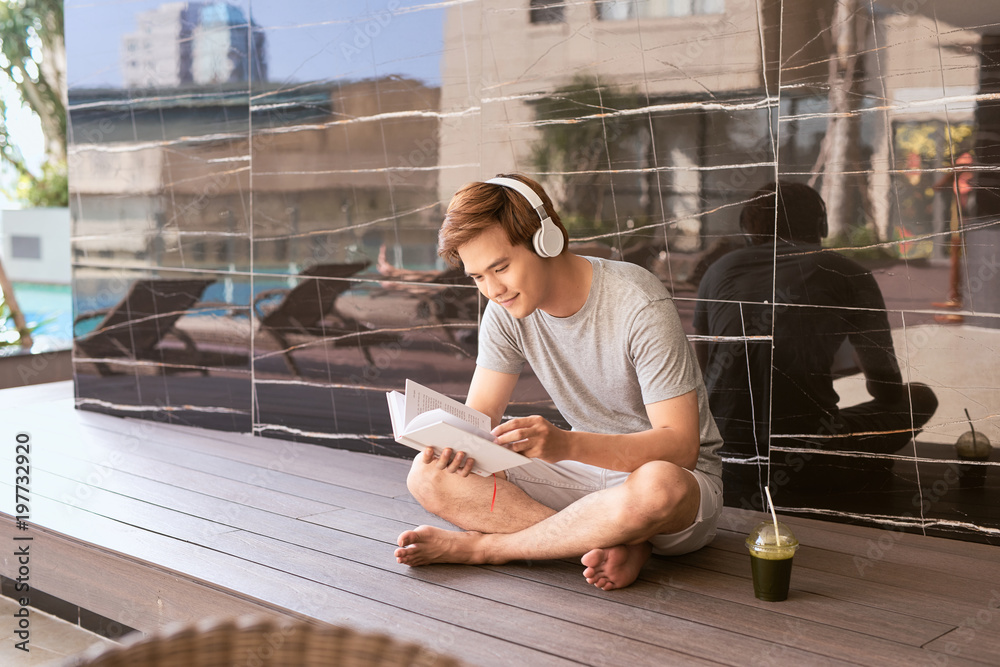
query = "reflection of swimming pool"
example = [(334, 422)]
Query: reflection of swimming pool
[(51, 304)]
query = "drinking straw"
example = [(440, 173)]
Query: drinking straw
[(770, 503), (971, 426)]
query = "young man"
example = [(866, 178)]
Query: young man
[(638, 472)]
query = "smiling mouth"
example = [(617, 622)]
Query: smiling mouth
[(504, 302)]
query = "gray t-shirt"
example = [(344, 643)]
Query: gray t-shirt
[(602, 365)]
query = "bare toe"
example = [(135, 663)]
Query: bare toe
[(616, 567)]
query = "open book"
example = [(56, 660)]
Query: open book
[(424, 418)]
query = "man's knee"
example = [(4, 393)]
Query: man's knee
[(924, 403), (433, 488), (662, 491), (420, 481)]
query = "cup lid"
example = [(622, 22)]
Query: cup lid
[(762, 538)]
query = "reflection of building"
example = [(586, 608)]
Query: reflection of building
[(674, 156), (35, 245), (181, 43), (150, 191), (709, 104), (980, 45)]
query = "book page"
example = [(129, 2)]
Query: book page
[(397, 405), (438, 415), (420, 399)]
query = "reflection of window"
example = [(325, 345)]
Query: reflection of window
[(26, 247), (281, 250), (619, 10), (547, 11)]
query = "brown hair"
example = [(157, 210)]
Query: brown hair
[(478, 206)]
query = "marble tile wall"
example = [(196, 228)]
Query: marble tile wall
[(256, 189)]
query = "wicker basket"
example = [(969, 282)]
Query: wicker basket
[(258, 642)]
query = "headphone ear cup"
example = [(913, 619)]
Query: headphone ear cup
[(548, 240)]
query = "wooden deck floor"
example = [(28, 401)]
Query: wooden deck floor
[(146, 523)]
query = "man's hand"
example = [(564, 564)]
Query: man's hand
[(449, 461), (534, 437)]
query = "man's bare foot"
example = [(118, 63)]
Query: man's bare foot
[(427, 544), (616, 567)]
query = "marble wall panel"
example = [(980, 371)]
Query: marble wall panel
[(297, 158)]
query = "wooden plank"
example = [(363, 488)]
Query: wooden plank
[(744, 617), (105, 457), (937, 633), (978, 637), (882, 549), (124, 589), (903, 600), (741, 520), (108, 585), (706, 585), (277, 481), (364, 472), (678, 606), (588, 643), (455, 605), (248, 476), (127, 510), (566, 602), (132, 513), (168, 485), (932, 581)]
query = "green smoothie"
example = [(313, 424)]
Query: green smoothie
[(771, 561), (771, 576)]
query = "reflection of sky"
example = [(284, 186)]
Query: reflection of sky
[(307, 40)]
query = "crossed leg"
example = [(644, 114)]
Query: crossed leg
[(609, 528)]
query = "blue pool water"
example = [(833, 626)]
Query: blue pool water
[(51, 305)]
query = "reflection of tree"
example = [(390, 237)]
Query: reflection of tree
[(841, 142), (574, 156)]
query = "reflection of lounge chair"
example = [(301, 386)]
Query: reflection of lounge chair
[(309, 309), (442, 297), (137, 325), (454, 304)]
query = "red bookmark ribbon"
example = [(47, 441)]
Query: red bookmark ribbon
[(492, 502)]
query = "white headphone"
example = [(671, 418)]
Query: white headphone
[(548, 240)]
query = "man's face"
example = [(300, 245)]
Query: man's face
[(512, 276)]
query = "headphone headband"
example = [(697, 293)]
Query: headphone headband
[(548, 240), (526, 192)]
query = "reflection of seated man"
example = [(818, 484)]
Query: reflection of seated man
[(835, 298)]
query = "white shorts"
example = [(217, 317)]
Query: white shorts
[(558, 485)]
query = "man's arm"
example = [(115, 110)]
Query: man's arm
[(675, 436), (871, 338), (490, 392)]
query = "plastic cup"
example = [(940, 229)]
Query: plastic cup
[(771, 560)]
